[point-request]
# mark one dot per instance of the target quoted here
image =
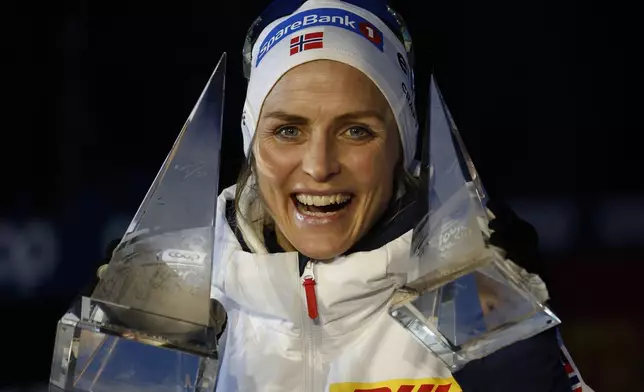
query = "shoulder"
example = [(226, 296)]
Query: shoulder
[(225, 202), (225, 243), (226, 227), (228, 194), (241, 218), (532, 364)]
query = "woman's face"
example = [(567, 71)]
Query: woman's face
[(326, 147)]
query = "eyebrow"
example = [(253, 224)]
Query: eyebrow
[(293, 118), (285, 116)]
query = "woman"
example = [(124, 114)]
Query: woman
[(306, 237), (322, 210)]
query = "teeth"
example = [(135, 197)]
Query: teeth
[(311, 200)]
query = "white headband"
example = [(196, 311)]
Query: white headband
[(333, 30)]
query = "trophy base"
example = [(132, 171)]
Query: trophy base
[(95, 354), (474, 315)]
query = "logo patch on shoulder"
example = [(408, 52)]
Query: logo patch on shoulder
[(405, 385)]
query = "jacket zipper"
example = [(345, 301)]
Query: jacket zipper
[(308, 281), (308, 325)]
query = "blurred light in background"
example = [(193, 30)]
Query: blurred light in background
[(29, 254), (556, 221), (619, 221)]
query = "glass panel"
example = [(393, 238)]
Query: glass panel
[(463, 300), (150, 324)]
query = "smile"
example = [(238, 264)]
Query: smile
[(321, 205)]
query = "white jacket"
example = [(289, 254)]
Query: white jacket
[(271, 344)]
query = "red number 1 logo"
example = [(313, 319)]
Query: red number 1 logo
[(370, 32)]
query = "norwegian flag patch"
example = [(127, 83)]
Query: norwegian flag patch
[(307, 42), (573, 376)]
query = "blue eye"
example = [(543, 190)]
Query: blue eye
[(288, 132), (358, 132)]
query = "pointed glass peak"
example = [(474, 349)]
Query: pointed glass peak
[(185, 189), (150, 324), (463, 300), (163, 264), (447, 152), (449, 240)]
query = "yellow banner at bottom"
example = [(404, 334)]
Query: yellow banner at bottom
[(407, 385)]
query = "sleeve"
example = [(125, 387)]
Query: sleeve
[(576, 382), (531, 365)]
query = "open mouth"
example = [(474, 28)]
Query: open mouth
[(315, 205)]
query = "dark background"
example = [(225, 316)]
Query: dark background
[(98, 91)]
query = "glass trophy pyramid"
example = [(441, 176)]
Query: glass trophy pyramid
[(463, 299), (150, 324)]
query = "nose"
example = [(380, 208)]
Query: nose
[(320, 160)]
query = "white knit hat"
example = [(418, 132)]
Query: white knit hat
[(333, 30)]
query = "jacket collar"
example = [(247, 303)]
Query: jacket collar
[(350, 289)]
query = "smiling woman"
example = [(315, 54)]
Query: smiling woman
[(323, 212), (326, 148), (315, 239)]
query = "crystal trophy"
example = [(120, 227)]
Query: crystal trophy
[(463, 300), (150, 324)]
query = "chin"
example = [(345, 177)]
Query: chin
[(316, 249), (320, 254)]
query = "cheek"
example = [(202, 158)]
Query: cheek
[(274, 165), (372, 169)]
